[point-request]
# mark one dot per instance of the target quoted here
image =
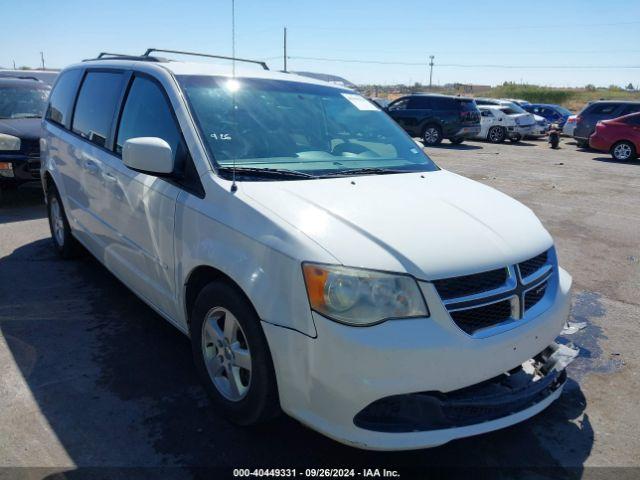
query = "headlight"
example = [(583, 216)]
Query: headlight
[(362, 297), (9, 142)]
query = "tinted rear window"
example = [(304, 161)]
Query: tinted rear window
[(467, 105), (602, 108), (61, 98), (97, 100)]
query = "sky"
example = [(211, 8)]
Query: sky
[(384, 42)]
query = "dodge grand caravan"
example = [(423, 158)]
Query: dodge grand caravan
[(320, 262)]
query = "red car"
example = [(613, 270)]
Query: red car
[(619, 136)]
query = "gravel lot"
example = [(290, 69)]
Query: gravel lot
[(91, 377)]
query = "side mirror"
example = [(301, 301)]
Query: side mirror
[(150, 155)]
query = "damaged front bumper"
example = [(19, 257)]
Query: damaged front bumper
[(524, 388)]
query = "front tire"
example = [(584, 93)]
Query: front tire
[(456, 141), (432, 135), (232, 356), (624, 151), (496, 134), (515, 138), (63, 241)]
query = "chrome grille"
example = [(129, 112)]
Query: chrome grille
[(482, 301)]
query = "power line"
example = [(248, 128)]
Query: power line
[(483, 28), (462, 65)]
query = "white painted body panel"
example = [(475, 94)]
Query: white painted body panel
[(152, 235)]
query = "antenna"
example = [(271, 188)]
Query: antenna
[(234, 186)]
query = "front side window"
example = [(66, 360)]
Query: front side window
[(96, 105), (146, 113), (314, 129), (61, 98), (22, 101)]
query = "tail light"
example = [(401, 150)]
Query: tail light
[(571, 120)]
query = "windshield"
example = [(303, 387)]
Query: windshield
[(20, 102), (300, 127)]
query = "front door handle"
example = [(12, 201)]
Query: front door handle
[(91, 166)]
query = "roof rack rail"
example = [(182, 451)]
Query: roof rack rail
[(258, 62), (124, 56)]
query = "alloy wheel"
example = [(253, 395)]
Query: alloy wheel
[(622, 151), (431, 135), (226, 354)]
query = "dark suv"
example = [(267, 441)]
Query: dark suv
[(602, 110), (22, 102), (434, 117)]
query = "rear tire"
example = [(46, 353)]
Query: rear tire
[(232, 356), (624, 151), (63, 240), (456, 141), (582, 143), (432, 135), (516, 138), (496, 134)]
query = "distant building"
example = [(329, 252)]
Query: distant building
[(467, 87)]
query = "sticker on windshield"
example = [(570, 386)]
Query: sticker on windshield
[(359, 102)]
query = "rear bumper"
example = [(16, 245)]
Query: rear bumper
[(598, 143), (467, 132), (325, 382)]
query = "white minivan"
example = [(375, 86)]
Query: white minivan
[(320, 262)]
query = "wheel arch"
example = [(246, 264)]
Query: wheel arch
[(201, 276)]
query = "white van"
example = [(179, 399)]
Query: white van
[(320, 262)]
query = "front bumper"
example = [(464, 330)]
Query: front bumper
[(326, 381), (18, 168)]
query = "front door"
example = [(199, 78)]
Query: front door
[(143, 206)]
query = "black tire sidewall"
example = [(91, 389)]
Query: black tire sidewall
[(70, 247), (261, 402)]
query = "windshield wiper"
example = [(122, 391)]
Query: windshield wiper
[(364, 171), (265, 172)]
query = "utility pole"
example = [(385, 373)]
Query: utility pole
[(14, 64), (284, 47), (430, 71), (42, 59)]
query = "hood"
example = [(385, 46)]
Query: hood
[(27, 128), (431, 225)]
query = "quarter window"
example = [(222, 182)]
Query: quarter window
[(96, 106), (630, 109), (61, 98)]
